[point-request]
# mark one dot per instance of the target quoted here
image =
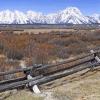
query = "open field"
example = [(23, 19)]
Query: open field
[(37, 31), (45, 28), (45, 48)]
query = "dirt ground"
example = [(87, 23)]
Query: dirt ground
[(37, 31), (83, 85)]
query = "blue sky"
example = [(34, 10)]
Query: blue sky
[(88, 7)]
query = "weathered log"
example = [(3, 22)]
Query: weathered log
[(18, 84), (15, 71), (19, 70), (42, 80), (62, 74), (64, 62), (12, 80), (63, 66), (38, 67), (70, 60)]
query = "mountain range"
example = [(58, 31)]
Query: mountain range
[(70, 15)]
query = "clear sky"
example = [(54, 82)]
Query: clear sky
[(88, 7)]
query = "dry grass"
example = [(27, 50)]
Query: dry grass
[(60, 95), (86, 87), (45, 48), (25, 95), (37, 31)]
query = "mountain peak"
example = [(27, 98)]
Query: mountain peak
[(72, 10), (69, 15)]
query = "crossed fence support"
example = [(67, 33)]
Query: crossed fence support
[(95, 60), (29, 76)]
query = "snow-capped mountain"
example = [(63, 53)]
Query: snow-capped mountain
[(34, 17), (9, 17), (70, 15), (6, 17), (96, 17), (19, 17)]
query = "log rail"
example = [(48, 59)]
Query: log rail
[(43, 74)]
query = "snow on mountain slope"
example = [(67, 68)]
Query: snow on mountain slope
[(51, 18), (6, 17), (97, 17), (34, 17), (92, 19), (9, 17), (20, 18), (70, 15)]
